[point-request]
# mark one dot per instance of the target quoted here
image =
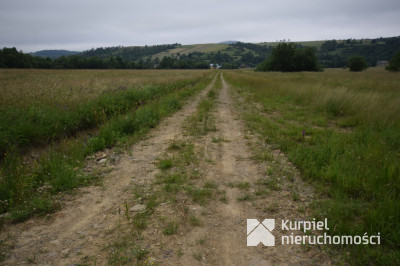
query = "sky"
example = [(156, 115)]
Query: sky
[(33, 25)]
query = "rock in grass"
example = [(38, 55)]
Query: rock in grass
[(102, 161), (138, 208), (101, 156)]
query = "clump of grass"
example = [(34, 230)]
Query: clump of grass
[(263, 156), (197, 256), (272, 208), (194, 220), (201, 196), (245, 197), (272, 182), (171, 228), (295, 195), (164, 164), (210, 184), (244, 185)]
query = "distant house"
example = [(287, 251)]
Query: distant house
[(215, 66), (382, 63)]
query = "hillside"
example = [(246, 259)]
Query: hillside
[(229, 54), (331, 53), (54, 53)]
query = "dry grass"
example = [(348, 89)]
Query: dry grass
[(22, 87)]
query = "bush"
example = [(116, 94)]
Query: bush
[(357, 63), (394, 64)]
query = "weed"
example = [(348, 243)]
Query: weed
[(261, 192), (194, 220), (271, 208), (201, 196), (223, 199), (171, 229), (180, 253), (295, 195), (245, 197), (198, 256), (164, 164), (210, 184), (244, 185)]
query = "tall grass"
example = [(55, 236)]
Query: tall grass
[(51, 115), (30, 189), (342, 130)]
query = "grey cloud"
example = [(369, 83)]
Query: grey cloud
[(81, 25)]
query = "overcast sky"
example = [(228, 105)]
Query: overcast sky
[(32, 25)]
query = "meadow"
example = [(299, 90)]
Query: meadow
[(38, 106), (342, 131), (51, 109)]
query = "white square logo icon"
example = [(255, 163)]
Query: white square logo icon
[(260, 232)]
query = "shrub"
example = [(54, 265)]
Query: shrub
[(357, 63), (394, 64)]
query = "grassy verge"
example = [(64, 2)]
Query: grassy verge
[(27, 189), (342, 131)]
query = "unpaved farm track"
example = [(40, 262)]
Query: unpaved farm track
[(84, 227)]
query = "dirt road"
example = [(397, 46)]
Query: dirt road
[(208, 231)]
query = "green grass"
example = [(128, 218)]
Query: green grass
[(171, 228), (203, 121), (243, 185), (342, 131), (194, 220), (41, 120), (164, 164), (25, 188)]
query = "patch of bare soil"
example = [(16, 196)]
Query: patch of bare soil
[(208, 232)]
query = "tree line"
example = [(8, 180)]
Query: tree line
[(337, 54), (11, 58)]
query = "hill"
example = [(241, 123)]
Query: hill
[(232, 54), (229, 54), (54, 53)]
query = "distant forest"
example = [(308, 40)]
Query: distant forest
[(331, 53)]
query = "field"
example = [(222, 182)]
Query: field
[(342, 131), (187, 49), (43, 109), (178, 160)]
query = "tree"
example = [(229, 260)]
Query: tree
[(167, 62), (286, 57), (357, 63), (394, 63)]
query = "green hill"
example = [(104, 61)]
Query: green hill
[(331, 53), (229, 54), (54, 53)]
